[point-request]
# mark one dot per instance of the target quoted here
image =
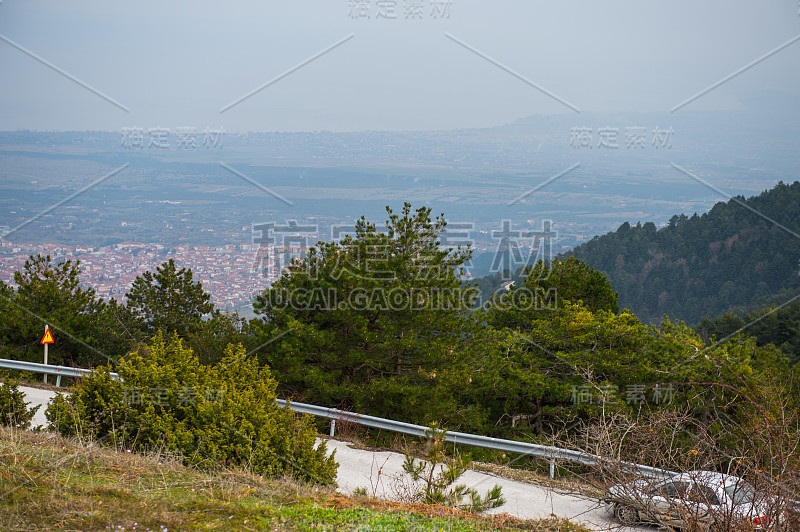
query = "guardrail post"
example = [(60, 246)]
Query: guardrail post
[(333, 428), (552, 468), (58, 381)]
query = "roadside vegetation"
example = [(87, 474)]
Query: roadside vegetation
[(382, 323), (14, 411), (223, 415), (50, 482)]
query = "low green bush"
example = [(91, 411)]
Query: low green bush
[(215, 416), (14, 411)]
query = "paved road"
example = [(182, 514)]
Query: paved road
[(35, 396), (381, 474)]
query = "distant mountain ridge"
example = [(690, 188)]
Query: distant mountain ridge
[(735, 257)]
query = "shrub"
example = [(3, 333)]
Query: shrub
[(218, 416), (438, 474), (14, 411)]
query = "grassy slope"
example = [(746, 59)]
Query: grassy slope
[(52, 483)]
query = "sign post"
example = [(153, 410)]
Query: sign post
[(47, 339)]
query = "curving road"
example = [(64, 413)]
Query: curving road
[(381, 474)]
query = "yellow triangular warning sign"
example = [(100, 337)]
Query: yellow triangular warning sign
[(48, 338)]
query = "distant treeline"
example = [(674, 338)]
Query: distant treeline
[(735, 258)]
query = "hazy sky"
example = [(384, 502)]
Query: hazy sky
[(177, 63)]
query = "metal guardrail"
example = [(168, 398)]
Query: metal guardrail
[(530, 449), (48, 369), (334, 414)]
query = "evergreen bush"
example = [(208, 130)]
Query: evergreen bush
[(14, 411), (218, 416)]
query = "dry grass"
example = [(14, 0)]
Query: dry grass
[(48, 482)]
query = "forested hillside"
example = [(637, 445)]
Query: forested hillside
[(779, 326), (735, 257)]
